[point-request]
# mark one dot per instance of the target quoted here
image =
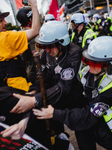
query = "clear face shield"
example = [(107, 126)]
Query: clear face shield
[(50, 53), (87, 20), (95, 19)]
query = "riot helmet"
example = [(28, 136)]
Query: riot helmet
[(49, 17), (53, 38), (24, 16), (95, 17), (77, 18), (106, 15), (98, 59), (86, 16), (99, 53)]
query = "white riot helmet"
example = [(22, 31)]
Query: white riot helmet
[(95, 17), (106, 15), (49, 17)]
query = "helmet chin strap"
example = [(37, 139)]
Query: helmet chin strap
[(60, 50)]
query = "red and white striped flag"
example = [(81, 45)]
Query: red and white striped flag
[(61, 11)]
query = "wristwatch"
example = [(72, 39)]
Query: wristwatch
[(36, 102)]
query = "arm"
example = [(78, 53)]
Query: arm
[(75, 119), (60, 90), (16, 131), (34, 31)]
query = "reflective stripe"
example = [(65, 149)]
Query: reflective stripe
[(88, 34), (108, 118), (83, 73), (73, 34), (104, 83), (110, 124)]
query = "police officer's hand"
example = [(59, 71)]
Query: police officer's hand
[(44, 113), (24, 104)]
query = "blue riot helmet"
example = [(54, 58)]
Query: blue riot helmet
[(53, 38), (77, 18), (99, 53), (49, 17), (100, 49)]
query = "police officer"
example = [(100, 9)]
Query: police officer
[(107, 28), (93, 123), (49, 17), (60, 70), (97, 23), (85, 35)]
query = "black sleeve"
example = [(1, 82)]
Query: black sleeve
[(76, 119), (8, 101)]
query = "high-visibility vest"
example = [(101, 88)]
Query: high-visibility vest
[(104, 84), (88, 34)]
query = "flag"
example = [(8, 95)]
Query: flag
[(19, 3), (54, 9), (61, 11)]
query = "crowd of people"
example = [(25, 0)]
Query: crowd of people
[(76, 67)]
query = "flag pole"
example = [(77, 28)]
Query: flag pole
[(108, 8)]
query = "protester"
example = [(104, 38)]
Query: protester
[(24, 17), (92, 123), (85, 35), (13, 76), (62, 63)]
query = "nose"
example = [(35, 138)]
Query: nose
[(4, 22), (47, 50)]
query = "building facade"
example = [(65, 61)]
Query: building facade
[(89, 6)]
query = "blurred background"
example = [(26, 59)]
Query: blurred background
[(63, 8)]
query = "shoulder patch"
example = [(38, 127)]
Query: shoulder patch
[(67, 74)]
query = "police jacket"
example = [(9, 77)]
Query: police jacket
[(84, 38), (107, 29), (82, 119), (60, 80)]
